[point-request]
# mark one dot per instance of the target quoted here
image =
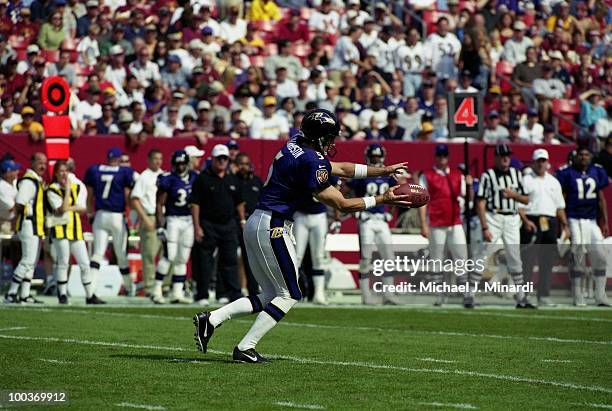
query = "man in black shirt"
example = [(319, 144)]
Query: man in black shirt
[(604, 158), (216, 200), (251, 188)]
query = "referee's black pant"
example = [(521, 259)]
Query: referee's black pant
[(540, 247), (224, 238)]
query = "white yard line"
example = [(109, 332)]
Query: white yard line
[(141, 406), (587, 404), (501, 377), (340, 327), (52, 361), (559, 361), (436, 360), (450, 405), (13, 328), (290, 404)]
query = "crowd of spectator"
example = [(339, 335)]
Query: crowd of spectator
[(198, 68)]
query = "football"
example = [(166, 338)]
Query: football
[(418, 195)]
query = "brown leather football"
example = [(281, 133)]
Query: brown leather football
[(418, 195)]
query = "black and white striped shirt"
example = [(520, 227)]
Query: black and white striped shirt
[(490, 187)]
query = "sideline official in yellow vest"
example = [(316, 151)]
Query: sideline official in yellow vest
[(65, 202), (30, 227)]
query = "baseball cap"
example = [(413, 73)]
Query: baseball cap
[(27, 110), (9, 165), (216, 87), (493, 114), (33, 48), (502, 150), (519, 25), (539, 154), (193, 152), (173, 58), (125, 117), (532, 112), (92, 3), (114, 152), (427, 127), (207, 31), (269, 101), (441, 150), (178, 94), (232, 145), (220, 150), (514, 125), (204, 105), (116, 50)]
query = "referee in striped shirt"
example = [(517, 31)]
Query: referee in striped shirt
[(500, 190)]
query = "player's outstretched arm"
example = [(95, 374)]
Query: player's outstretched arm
[(332, 197), (352, 170)]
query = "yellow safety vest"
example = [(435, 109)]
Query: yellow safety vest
[(73, 230), (37, 211)]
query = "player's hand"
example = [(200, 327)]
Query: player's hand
[(487, 236), (334, 227), (198, 233), (389, 197), (469, 180), (565, 233), (161, 234), (399, 168), (425, 231), (530, 226), (604, 229)]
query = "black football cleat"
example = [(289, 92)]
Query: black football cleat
[(603, 304), (468, 302), (63, 299), (30, 300), (94, 300), (249, 356), (11, 299), (203, 330), (525, 305)]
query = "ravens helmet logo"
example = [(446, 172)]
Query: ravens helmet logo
[(323, 118)]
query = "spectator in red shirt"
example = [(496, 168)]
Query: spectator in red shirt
[(6, 24), (26, 27), (293, 29)]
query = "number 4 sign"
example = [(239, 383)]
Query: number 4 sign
[(465, 114)]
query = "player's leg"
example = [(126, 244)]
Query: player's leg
[(279, 255), (437, 242), (179, 273), (300, 233), (22, 277), (78, 249), (598, 263), (100, 241), (120, 234), (457, 247), (384, 244), (168, 255), (206, 322), (578, 250), (512, 243), (316, 240), (366, 247), (61, 251)]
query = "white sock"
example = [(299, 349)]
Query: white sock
[(262, 325), (25, 288), (14, 287), (241, 306), (600, 289), (158, 287), (127, 280), (177, 289), (319, 285), (62, 289), (88, 291)]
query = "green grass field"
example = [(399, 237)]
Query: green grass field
[(324, 358)]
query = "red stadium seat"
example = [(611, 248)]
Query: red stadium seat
[(569, 109), (504, 70), (52, 56), (69, 44)]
